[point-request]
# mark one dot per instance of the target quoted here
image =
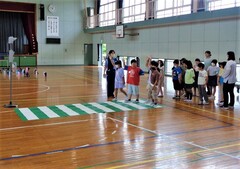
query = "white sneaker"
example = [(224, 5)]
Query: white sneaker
[(114, 100)]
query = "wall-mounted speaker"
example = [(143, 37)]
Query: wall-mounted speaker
[(53, 41), (42, 13)]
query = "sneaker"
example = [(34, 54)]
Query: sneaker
[(160, 95), (189, 101), (231, 107), (114, 100), (136, 101), (127, 100), (153, 104), (176, 97), (206, 103), (220, 104), (200, 103), (226, 108)]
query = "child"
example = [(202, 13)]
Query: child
[(150, 64), (202, 83), (213, 71), (177, 79), (220, 83), (133, 79), (195, 86), (119, 79), (161, 78), (152, 86), (189, 80), (153, 82)]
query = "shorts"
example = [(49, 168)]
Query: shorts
[(133, 89), (212, 80), (152, 93), (177, 85)]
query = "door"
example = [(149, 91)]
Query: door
[(88, 54)]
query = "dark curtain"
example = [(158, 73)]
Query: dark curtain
[(120, 6), (28, 25), (11, 25), (201, 5), (150, 6), (98, 6)]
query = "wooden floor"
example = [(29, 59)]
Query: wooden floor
[(179, 135)]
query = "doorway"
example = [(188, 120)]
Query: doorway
[(88, 54), (102, 53)]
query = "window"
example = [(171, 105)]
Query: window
[(167, 8), (134, 10), (221, 4), (107, 12)]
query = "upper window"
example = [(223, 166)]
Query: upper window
[(134, 10), (221, 4), (167, 8), (107, 12)]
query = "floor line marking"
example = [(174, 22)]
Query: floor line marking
[(187, 142), (42, 125), (173, 156)]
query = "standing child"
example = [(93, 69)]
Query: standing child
[(153, 82), (150, 64), (119, 79), (189, 80), (202, 83), (133, 80), (213, 71), (220, 83), (177, 79), (195, 67), (161, 78)]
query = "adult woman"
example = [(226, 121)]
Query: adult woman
[(229, 81), (109, 72)]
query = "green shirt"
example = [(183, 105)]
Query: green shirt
[(189, 76)]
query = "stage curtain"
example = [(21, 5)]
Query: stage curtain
[(11, 25), (29, 27)]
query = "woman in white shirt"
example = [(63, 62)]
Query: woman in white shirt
[(229, 81)]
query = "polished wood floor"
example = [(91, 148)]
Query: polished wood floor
[(179, 135)]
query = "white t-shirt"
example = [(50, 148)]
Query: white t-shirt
[(202, 77)]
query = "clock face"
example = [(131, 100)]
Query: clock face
[(51, 8)]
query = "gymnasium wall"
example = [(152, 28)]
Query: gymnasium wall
[(71, 49), (189, 40)]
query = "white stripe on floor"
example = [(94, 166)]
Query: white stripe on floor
[(105, 109), (66, 110), (48, 112), (134, 105), (118, 106), (28, 114), (84, 108)]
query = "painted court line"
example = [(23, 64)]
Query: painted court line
[(86, 109), (42, 125), (118, 106), (48, 112), (67, 110), (170, 137), (106, 109), (28, 114), (134, 105)]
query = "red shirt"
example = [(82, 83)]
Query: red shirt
[(133, 75)]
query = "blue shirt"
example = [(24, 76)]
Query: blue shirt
[(176, 72)]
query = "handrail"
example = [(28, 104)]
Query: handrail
[(151, 12)]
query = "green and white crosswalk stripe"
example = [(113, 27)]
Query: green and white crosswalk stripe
[(45, 112)]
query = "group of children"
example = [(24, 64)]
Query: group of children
[(198, 77), (154, 85)]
